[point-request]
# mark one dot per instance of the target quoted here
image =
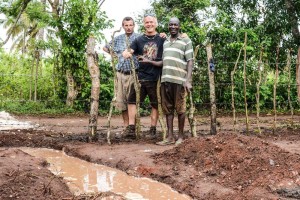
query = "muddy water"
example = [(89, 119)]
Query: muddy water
[(85, 177)]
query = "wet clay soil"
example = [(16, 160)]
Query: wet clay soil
[(223, 166)]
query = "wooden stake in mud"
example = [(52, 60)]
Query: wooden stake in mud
[(257, 96), (92, 62), (213, 115), (245, 84), (275, 91), (289, 87), (160, 112), (137, 92), (298, 73), (191, 117), (233, 86), (111, 51)]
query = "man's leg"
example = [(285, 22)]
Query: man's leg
[(125, 117), (154, 116), (131, 114), (170, 119), (181, 120)]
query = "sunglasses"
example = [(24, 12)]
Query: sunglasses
[(149, 15)]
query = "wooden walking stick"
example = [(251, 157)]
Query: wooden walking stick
[(115, 83), (160, 112), (191, 118), (137, 91)]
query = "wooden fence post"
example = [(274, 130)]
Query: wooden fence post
[(298, 73), (289, 86), (92, 62), (245, 84), (275, 91), (257, 95), (211, 75), (112, 104)]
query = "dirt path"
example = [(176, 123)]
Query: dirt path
[(225, 166)]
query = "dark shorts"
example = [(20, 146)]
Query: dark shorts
[(173, 98), (147, 88)]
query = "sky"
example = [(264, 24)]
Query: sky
[(115, 9)]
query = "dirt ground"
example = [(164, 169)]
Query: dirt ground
[(229, 165)]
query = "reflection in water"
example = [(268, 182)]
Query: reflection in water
[(85, 177)]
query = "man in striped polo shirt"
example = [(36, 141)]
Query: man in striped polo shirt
[(176, 79)]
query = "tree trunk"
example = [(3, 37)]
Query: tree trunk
[(211, 74), (92, 62), (72, 92), (293, 19)]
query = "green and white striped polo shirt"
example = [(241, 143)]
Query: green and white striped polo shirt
[(175, 57)]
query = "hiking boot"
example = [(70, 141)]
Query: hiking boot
[(152, 133), (129, 132)]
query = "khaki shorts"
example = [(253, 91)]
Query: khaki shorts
[(124, 82), (173, 98)]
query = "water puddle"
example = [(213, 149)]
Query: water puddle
[(84, 177)]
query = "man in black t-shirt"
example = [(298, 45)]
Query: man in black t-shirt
[(149, 48)]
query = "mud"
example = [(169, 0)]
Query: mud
[(224, 166)]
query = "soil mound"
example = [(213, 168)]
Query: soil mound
[(240, 162)]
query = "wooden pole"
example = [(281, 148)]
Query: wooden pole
[(213, 114), (111, 51), (298, 73), (191, 117), (160, 112), (245, 84), (233, 86), (275, 91), (92, 62), (289, 87), (258, 90), (137, 92)]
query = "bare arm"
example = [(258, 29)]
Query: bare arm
[(154, 63), (188, 82)]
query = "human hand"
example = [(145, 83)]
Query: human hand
[(184, 35), (163, 35), (188, 86), (143, 59), (126, 54)]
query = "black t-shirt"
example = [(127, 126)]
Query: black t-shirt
[(151, 47)]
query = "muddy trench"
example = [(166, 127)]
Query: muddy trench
[(224, 166)]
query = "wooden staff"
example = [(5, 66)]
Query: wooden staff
[(137, 91), (191, 118), (160, 112), (111, 51)]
